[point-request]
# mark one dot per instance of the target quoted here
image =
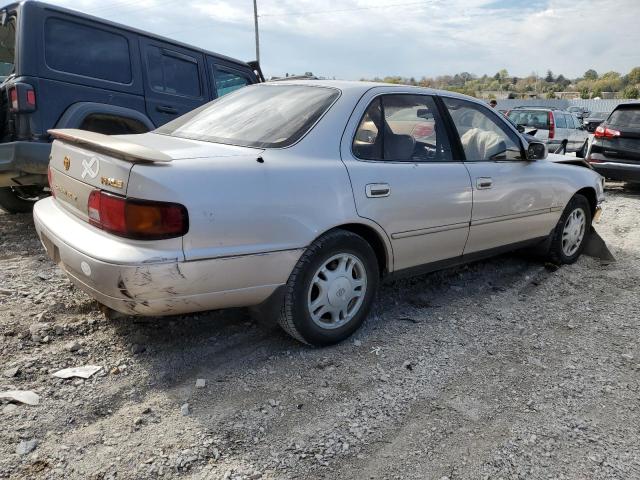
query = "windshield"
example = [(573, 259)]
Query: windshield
[(530, 118), (7, 47), (263, 116)]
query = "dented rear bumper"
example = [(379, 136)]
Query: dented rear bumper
[(160, 284)]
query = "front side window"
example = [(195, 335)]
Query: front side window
[(482, 137), (402, 128), (227, 81), (173, 73), (262, 116), (82, 50)]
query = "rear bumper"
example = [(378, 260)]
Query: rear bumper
[(139, 284), (24, 163), (626, 172)]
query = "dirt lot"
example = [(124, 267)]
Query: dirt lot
[(502, 369)]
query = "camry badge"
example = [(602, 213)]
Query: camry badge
[(90, 167), (67, 163)]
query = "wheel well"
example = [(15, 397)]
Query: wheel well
[(109, 124), (372, 237), (590, 194)]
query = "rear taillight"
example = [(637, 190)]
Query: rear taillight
[(137, 219), (22, 98), (606, 132), (552, 125)]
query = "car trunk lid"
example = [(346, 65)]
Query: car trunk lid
[(82, 161)]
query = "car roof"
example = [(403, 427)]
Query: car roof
[(86, 16), (360, 87)]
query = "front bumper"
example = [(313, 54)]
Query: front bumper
[(24, 163), (141, 283), (625, 172)]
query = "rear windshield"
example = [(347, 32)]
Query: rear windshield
[(7, 47), (625, 117), (263, 116), (598, 115), (530, 118)]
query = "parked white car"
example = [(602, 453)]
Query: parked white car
[(304, 196)]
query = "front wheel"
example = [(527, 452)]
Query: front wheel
[(20, 199), (569, 236), (330, 290)]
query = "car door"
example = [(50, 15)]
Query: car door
[(174, 80), (403, 176), (512, 197)]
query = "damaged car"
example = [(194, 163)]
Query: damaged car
[(300, 197)]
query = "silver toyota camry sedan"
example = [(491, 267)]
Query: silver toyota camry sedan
[(299, 198)]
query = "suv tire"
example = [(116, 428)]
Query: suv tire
[(19, 199), (583, 150), (331, 289)]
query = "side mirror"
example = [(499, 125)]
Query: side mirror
[(537, 151), (422, 113), (520, 128)]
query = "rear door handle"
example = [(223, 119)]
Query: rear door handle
[(167, 109), (378, 190), (484, 183)]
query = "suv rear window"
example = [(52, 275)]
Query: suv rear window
[(625, 117), (265, 116), (7, 47), (530, 118), (82, 50)]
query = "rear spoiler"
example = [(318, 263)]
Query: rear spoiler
[(114, 146)]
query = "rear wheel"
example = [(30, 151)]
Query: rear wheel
[(331, 289), (562, 148), (570, 234), (20, 199)]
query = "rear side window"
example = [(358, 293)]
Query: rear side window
[(82, 50), (173, 73), (625, 117), (530, 118), (227, 81), (402, 128), (560, 121)]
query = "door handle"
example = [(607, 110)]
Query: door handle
[(484, 183), (167, 109), (378, 190)]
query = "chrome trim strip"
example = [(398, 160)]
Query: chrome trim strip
[(514, 216), (557, 208), (615, 164), (427, 231)]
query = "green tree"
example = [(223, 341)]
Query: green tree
[(631, 92), (551, 94), (633, 77), (584, 93), (549, 77), (590, 74)]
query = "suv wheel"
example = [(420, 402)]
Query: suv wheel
[(20, 199), (331, 289), (569, 236), (562, 148), (583, 150)]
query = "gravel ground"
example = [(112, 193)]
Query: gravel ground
[(501, 369)]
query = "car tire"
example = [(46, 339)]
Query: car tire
[(583, 150), (331, 289), (569, 237), (562, 148), (19, 199)]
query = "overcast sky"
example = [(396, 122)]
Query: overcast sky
[(351, 39)]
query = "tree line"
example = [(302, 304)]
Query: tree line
[(590, 85)]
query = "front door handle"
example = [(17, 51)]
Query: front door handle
[(167, 109), (484, 183), (378, 190)]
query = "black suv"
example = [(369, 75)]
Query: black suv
[(615, 150), (65, 69)]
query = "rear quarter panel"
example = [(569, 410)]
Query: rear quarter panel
[(238, 206)]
